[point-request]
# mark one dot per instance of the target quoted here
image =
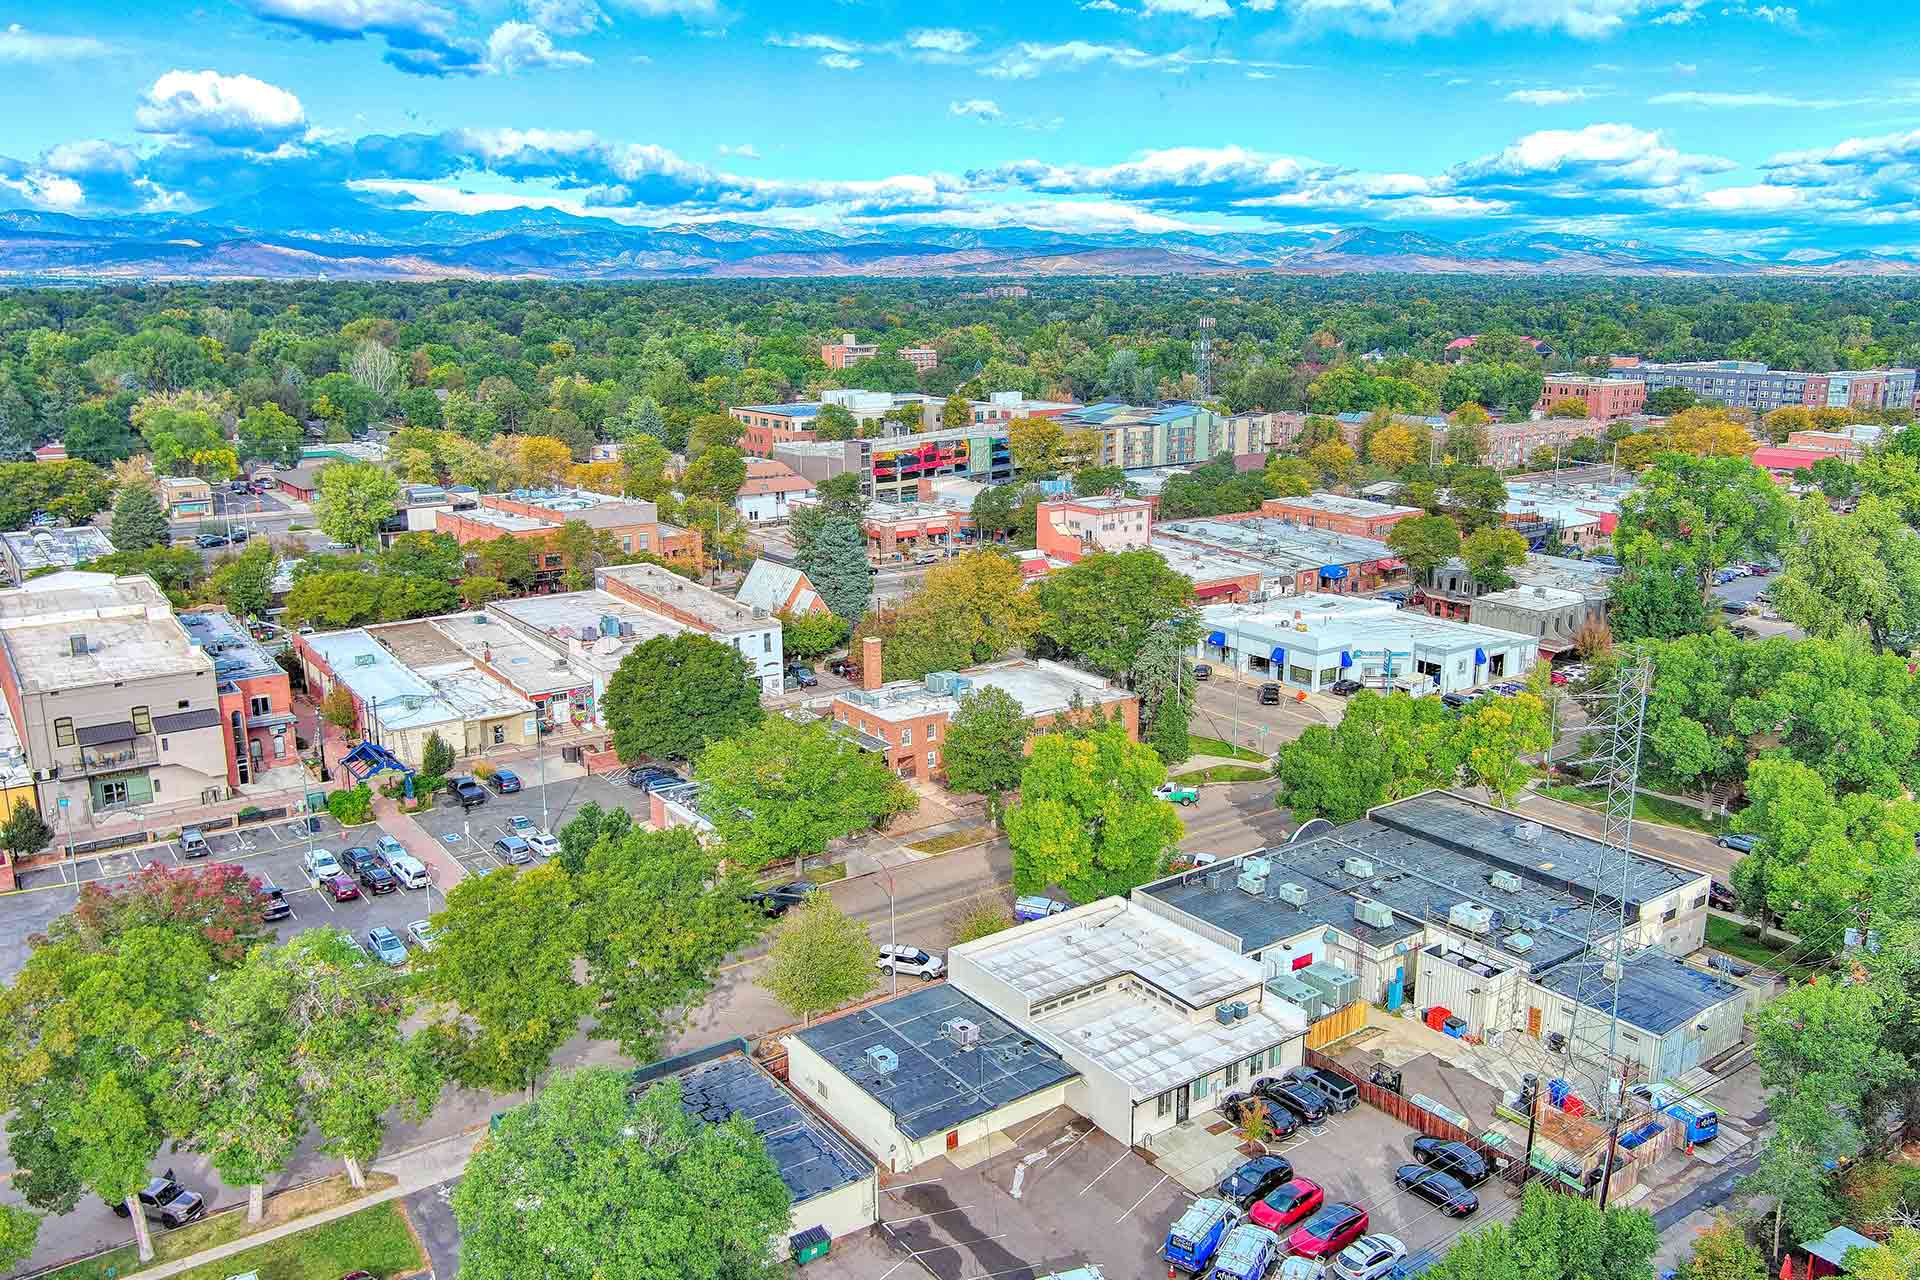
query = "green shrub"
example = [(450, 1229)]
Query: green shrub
[(351, 807), (483, 771)]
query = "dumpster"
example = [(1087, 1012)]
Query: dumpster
[(812, 1243)]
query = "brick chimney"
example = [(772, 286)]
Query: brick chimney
[(870, 662)]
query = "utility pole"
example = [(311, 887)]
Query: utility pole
[(1613, 1139), (1533, 1123)]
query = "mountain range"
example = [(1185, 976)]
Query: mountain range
[(330, 233)]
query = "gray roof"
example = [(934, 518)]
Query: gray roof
[(181, 721), (1657, 992), (768, 585), (236, 654), (937, 1084), (812, 1159)]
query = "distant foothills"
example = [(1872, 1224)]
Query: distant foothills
[(311, 234)]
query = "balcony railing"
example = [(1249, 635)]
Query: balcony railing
[(93, 761)]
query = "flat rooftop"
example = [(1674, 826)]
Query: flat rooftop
[(508, 521), (1280, 541), (529, 665), (1154, 1049), (813, 1160), (792, 409), (236, 654), (1041, 687), (571, 615), (1341, 505), (596, 510), (1540, 599), (129, 629), (1097, 944), (34, 549), (1362, 624), (937, 1085), (1658, 993), (398, 696), (713, 610)]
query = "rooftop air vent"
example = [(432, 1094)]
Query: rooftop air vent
[(1377, 914), (964, 1032), (1358, 868), (1289, 892), (883, 1060), (1527, 832), (1505, 881), (1470, 917), (1520, 943), (77, 646)]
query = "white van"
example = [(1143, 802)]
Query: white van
[(911, 961)]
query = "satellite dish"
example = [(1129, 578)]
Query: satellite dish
[(1312, 829)]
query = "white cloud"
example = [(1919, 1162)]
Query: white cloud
[(1685, 68), (814, 40), (688, 9), (231, 111), (948, 41), (840, 62), (1746, 101), (1408, 19), (1547, 97), (565, 17), (1102, 6), (521, 46), (17, 44), (975, 109), (1259, 75), (1026, 60), (745, 151), (1188, 8)]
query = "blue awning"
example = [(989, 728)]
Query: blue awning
[(1346, 659), (1217, 638), (1279, 656), (1333, 571), (1479, 657)]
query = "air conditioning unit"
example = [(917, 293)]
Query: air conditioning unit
[(1526, 832), (883, 1060), (1256, 866), (1471, 917), (1505, 880), (1251, 883), (1289, 892), (1358, 868), (1223, 1014), (964, 1032), (1240, 1010), (1377, 914)]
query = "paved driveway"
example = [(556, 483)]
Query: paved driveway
[(469, 833)]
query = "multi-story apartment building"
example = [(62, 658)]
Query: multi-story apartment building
[(1605, 398), (903, 468), (921, 358), (1748, 384), (1069, 528), (1130, 436), (121, 705), (838, 355), (875, 414), (1355, 517)]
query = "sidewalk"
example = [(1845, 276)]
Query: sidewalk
[(417, 1169)]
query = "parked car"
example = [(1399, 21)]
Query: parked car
[(911, 961), (650, 777), (845, 668), (343, 887), (1456, 1158), (386, 946), (1396, 597), (1456, 701), (208, 541), (356, 859), (467, 793), (238, 536), (1721, 896), (1269, 694), (1559, 677), (389, 848), (1280, 1122), (1288, 1203), (1329, 1231), (520, 825), (1371, 1257), (1340, 1093), (1254, 1179), (1345, 688), (1303, 1100), (1442, 1190), (928, 557), (801, 677), (409, 871), (1737, 842), (516, 851), (1248, 1253), (422, 934), (166, 1202), (273, 903), (777, 902), (504, 782), (1202, 670), (544, 843), (376, 878), (1177, 793), (1038, 907), (320, 865)]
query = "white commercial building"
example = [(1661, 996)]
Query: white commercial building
[(1310, 641)]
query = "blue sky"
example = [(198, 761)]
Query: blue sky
[(1719, 124)]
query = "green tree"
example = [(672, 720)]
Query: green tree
[(820, 959), (500, 981), (19, 1232), (586, 829), (1555, 1237), (1491, 552), (1291, 477), (436, 757), (659, 912), (1425, 543), (839, 499), (267, 434), (810, 635), (672, 695), (1495, 739), (338, 709), (1669, 400), (835, 561), (1088, 820), (590, 1182), (1386, 747), (1846, 573), (1656, 596), (956, 413), (1163, 679), (25, 833), (139, 523), (985, 751), (784, 790), (1091, 481), (245, 583), (95, 433), (354, 499), (1102, 609), (178, 426), (834, 422), (1723, 1252), (1710, 511)]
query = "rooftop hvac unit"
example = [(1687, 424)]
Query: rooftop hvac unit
[(1256, 865), (1240, 1010), (1377, 914), (883, 1060), (1251, 883), (1223, 1014), (609, 625), (962, 685), (1358, 868), (1470, 917), (1520, 943), (627, 629), (1295, 992), (1337, 987), (1289, 892), (939, 681), (1527, 832), (962, 1031), (1505, 880)]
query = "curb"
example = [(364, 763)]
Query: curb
[(1637, 821)]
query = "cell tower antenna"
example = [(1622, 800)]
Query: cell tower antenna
[(1203, 355)]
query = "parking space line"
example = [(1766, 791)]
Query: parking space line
[(930, 1182), (1104, 1172), (936, 1213), (1069, 1147), (1143, 1195)]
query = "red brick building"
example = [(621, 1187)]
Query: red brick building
[(838, 355), (1605, 398), (1356, 517)]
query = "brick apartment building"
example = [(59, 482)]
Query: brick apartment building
[(1605, 398), (634, 524), (1070, 528), (921, 358), (1356, 517), (838, 355)]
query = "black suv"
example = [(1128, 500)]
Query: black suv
[(1281, 1123), (1345, 688), (777, 902), (1252, 1180), (467, 793), (801, 677), (651, 777), (1304, 1101), (1455, 1158)]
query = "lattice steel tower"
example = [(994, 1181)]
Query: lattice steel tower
[(1203, 355)]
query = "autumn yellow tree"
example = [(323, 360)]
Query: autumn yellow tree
[(1291, 477), (538, 462), (1036, 444), (1393, 446), (598, 477), (1567, 407), (1708, 433), (970, 610), (1471, 414), (1335, 461), (1782, 422), (1636, 451)]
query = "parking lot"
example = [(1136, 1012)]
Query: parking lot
[(469, 834)]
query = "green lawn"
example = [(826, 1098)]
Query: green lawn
[(1651, 808), (1732, 937), (1223, 773), (1203, 746), (376, 1240), (952, 840)]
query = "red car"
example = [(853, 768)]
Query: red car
[(1329, 1231), (342, 887), (1558, 677), (1286, 1204)]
